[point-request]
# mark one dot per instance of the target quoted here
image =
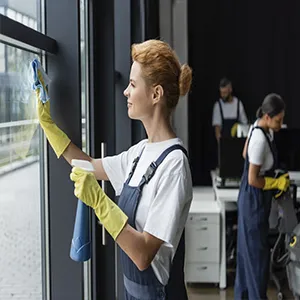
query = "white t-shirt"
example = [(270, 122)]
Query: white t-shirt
[(229, 112), (166, 199), (259, 151)]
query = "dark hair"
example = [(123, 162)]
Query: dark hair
[(224, 82), (272, 106)]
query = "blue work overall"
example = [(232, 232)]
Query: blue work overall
[(253, 252), (144, 285), (227, 124)]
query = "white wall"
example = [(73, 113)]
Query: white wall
[(174, 30)]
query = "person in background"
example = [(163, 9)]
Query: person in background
[(258, 186), (228, 111)]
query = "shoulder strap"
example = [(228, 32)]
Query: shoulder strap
[(154, 165), (238, 110), (268, 140), (221, 111), (134, 164)]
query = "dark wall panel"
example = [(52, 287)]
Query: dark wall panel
[(102, 117), (256, 44), (66, 280)]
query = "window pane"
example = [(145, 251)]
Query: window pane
[(20, 221), (2, 61), (18, 9)]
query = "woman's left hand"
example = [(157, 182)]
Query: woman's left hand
[(89, 191), (86, 186)]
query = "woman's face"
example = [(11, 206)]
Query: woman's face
[(139, 96), (275, 122)]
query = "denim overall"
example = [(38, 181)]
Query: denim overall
[(227, 124), (143, 285), (253, 252)]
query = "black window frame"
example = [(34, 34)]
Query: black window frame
[(109, 66)]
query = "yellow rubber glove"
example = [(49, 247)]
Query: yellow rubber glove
[(234, 130), (58, 140), (281, 183), (89, 191)]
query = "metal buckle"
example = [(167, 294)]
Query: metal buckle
[(150, 172)]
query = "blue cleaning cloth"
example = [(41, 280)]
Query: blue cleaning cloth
[(36, 65)]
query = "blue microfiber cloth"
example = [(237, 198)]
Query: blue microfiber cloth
[(40, 83)]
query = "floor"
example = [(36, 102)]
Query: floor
[(212, 292), (20, 235)]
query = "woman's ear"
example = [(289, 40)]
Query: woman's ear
[(268, 118), (158, 93)]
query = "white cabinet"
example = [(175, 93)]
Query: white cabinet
[(202, 239)]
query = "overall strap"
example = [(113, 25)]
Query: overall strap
[(247, 157), (272, 147), (238, 110), (221, 111), (154, 165), (268, 139), (134, 164)]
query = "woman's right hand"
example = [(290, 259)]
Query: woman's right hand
[(281, 183), (43, 111)]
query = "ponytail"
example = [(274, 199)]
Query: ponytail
[(259, 113)]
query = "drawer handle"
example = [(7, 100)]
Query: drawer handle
[(202, 268), (203, 219), (203, 248), (202, 228)]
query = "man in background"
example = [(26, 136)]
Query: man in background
[(228, 112)]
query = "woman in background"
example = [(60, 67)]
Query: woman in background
[(254, 201)]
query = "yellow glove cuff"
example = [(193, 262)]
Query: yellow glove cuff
[(270, 183), (58, 140), (111, 216)]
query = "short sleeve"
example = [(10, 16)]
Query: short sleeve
[(216, 118), (250, 130), (170, 208), (256, 148), (243, 117), (116, 167)]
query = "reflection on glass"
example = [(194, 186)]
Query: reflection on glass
[(25, 12), (20, 222), (2, 59), (83, 50)]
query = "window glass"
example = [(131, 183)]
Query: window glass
[(20, 214), (26, 12)]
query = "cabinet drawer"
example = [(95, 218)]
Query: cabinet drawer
[(197, 272), (202, 254), (197, 236), (203, 219)]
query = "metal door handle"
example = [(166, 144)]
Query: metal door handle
[(203, 248), (202, 228), (103, 184)]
